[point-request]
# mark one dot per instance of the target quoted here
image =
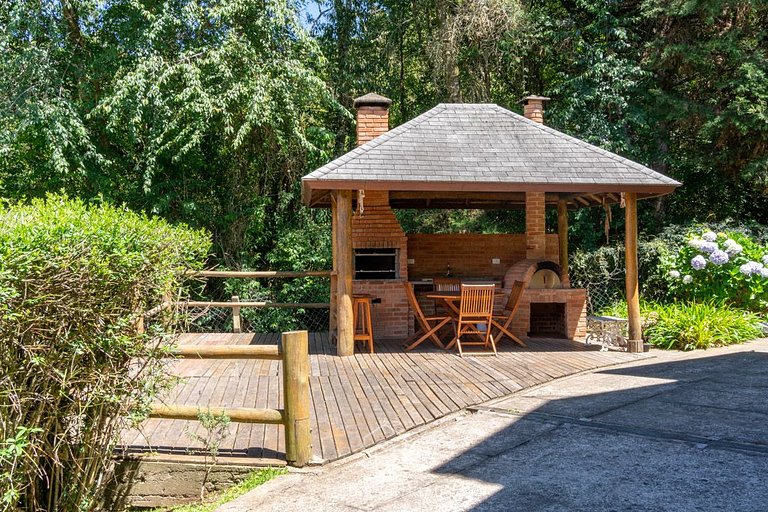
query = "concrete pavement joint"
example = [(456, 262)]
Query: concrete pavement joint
[(650, 433)]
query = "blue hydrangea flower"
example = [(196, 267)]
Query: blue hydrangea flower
[(698, 262), (674, 274), (687, 279), (732, 247), (751, 267), (709, 236), (709, 247), (719, 257)]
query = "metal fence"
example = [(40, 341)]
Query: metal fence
[(258, 301), (604, 280), (202, 319)]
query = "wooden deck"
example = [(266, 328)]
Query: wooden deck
[(357, 401)]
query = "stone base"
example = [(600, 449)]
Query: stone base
[(635, 346)]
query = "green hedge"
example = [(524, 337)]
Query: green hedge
[(73, 281)]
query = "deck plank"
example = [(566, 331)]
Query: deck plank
[(356, 401)]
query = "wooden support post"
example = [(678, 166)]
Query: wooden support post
[(345, 344), (236, 328), (332, 325), (635, 342), (562, 236), (298, 448)]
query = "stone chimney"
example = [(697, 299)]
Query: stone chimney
[(535, 208), (372, 116), (533, 108)]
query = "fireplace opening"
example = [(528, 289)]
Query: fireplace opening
[(547, 320)]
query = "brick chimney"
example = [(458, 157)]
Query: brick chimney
[(535, 208), (372, 116), (533, 107)]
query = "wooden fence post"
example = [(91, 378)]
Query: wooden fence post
[(298, 447), (236, 328)]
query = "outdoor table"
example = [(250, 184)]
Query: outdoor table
[(608, 331)]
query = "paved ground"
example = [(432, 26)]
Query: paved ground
[(678, 432)]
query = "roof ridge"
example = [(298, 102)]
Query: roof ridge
[(613, 156), (384, 137)]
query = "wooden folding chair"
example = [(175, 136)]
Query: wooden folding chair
[(501, 321), (428, 326), (475, 315)]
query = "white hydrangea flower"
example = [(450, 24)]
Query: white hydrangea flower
[(709, 236), (696, 243), (674, 274), (687, 279), (764, 272), (765, 260)]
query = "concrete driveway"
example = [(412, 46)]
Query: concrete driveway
[(681, 431)]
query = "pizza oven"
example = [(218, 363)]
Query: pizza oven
[(549, 307)]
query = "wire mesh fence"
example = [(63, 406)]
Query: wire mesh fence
[(603, 276), (261, 301), (203, 319)]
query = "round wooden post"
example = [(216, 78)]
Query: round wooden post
[(635, 342), (562, 237), (333, 309), (298, 447), (236, 326), (345, 345)]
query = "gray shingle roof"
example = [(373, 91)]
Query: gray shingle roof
[(483, 147)]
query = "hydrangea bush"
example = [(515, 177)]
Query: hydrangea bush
[(726, 267)]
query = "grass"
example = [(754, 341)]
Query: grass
[(252, 481), (692, 325)]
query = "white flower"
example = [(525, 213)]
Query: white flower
[(696, 243), (751, 267), (698, 262), (674, 274), (709, 236), (764, 272), (732, 247), (687, 279), (765, 260), (719, 257)]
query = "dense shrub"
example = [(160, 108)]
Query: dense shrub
[(73, 281), (699, 325), (726, 266)]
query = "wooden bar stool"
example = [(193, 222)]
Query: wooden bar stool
[(361, 306)]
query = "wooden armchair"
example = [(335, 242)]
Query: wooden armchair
[(428, 326), (502, 320), (473, 327)]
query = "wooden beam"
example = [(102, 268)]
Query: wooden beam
[(269, 352), (298, 446), (635, 342), (261, 273), (236, 414), (345, 344), (562, 237), (246, 304)]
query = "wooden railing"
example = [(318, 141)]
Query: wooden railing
[(236, 304), (295, 414)]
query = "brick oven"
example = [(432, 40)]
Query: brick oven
[(553, 309)]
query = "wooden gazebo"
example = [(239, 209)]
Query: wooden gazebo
[(474, 156)]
